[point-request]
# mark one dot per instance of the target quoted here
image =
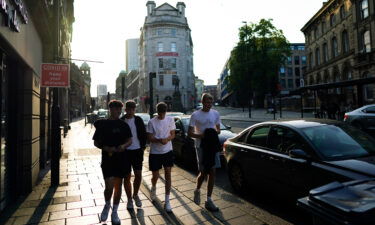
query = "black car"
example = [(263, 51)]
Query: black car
[(296, 156), (183, 146)]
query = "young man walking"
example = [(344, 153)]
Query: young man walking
[(134, 152), (200, 120), (113, 136), (161, 130)]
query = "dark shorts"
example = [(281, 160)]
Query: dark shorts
[(116, 166), (156, 161), (135, 158)]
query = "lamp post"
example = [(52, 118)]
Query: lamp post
[(247, 66)]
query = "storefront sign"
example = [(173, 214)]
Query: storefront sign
[(12, 13), (55, 75), (167, 54)]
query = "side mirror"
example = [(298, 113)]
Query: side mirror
[(299, 154)]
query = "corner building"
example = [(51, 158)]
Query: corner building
[(166, 48)]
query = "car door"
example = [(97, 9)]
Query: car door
[(179, 140), (369, 117)]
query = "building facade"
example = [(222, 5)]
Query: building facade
[(199, 87), (132, 56), (340, 52), (119, 88), (166, 48), (101, 90), (211, 89), (28, 32)]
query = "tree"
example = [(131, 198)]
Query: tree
[(255, 61)]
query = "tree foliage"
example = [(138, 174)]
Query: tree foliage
[(255, 61)]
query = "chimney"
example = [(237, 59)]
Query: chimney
[(181, 8), (150, 7)]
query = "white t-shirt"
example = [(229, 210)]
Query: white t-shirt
[(201, 120), (135, 142), (161, 129)]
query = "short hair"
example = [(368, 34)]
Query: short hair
[(206, 96), (130, 104), (161, 107), (115, 104)]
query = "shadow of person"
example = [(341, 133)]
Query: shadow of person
[(141, 216), (132, 213)]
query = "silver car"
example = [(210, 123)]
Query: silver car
[(362, 118)]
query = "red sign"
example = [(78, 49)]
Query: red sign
[(55, 75), (167, 54)]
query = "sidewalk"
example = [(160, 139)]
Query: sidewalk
[(79, 198)]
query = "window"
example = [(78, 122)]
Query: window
[(290, 83), (161, 80), (173, 63), (317, 56), (284, 140), (301, 47), (303, 59), (316, 33), (160, 46), (297, 72), (283, 83), (282, 71), (173, 32), (370, 109), (364, 9), (311, 60), (290, 71), (160, 31), (366, 40), (325, 52), (342, 12), (335, 50), (296, 60), (289, 60), (345, 41), (332, 19), (258, 136), (323, 27), (161, 63), (173, 47), (297, 82)]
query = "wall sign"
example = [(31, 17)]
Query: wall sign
[(55, 75)]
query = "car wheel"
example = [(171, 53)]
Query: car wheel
[(357, 125), (236, 177)]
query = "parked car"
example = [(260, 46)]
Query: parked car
[(172, 114), (102, 114), (362, 118), (295, 156), (183, 146), (199, 106), (145, 117)]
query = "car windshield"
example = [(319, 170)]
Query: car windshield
[(336, 142), (186, 121)]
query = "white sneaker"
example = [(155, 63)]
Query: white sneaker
[(104, 215), (130, 205), (137, 200), (153, 193), (197, 197), (115, 219), (167, 207), (210, 205)]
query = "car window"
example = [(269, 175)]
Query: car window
[(283, 140), (336, 142), (258, 136), (179, 125), (370, 109)]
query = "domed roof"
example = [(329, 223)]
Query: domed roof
[(85, 66)]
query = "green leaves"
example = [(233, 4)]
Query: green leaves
[(255, 61)]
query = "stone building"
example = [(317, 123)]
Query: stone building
[(340, 56), (291, 73), (119, 88), (27, 39), (166, 48), (79, 91)]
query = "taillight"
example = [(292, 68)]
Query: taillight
[(346, 117)]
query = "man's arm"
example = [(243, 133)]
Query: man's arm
[(192, 134), (151, 138), (164, 141), (99, 145), (123, 147)]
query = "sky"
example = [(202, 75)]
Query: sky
[(101, 29)]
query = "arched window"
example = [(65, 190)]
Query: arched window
[(325, 52), (317, 56), (345, 41), (335, 50)]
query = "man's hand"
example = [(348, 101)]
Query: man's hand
[(164, 141), (121, 148), (109, 149)]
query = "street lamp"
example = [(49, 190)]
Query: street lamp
[(247, 66)]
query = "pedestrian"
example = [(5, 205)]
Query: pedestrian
[(134, 152), (113, 136), (200, 121), (161, 131)]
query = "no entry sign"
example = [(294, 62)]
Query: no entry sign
[(55, 75)]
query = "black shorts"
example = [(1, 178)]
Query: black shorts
[(135, 158), (156, 161), (116, 166)]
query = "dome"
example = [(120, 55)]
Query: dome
[(85, 66)]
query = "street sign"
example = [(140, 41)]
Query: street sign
[(55, 75)]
